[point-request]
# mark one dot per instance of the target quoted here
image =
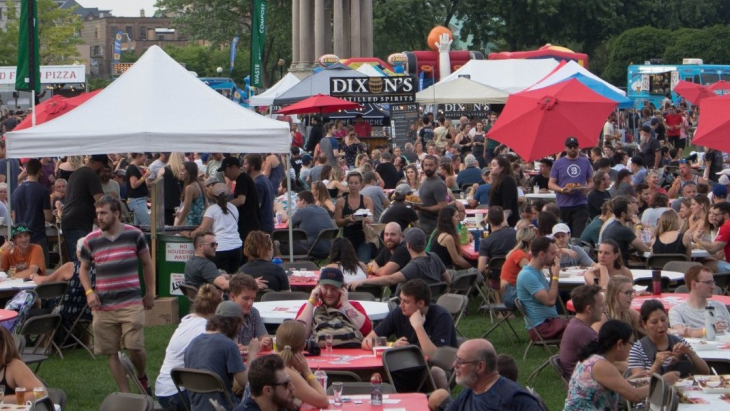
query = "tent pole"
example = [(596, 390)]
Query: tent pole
[(10, 207), (288, 211)]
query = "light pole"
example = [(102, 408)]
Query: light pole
[(281, 64), (219, 70)]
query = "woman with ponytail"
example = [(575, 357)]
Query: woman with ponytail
[(516, 259), (290, 339), (596, 383)]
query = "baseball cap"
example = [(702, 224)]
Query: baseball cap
[(718, 191), (220, 189), (416, 238), (571, 141), (646, 129), (403, 189), (306, 159), (227, 162), (102, 158), (486, 170), (229, 309), (21, 228), (331, 276), (211, 180), (561, 228), (121, 172), (724, 180), (623, 173), (654, 121)]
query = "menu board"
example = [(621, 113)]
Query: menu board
[(402, 117)]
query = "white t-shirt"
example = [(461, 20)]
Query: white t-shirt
[(225, 226), (190, 327), (350, 276), (695, 318)]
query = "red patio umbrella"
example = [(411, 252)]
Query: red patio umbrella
[(55, 106), (714, 124), (694, 93), (319, 104), (720, 85), (536, 123)]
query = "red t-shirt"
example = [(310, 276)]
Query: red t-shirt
[(673, 120), (511, 266), (724, 236), (363, 129), (367, 326)]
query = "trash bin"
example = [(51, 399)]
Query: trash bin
[(172, 253)]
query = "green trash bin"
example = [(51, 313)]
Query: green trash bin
[(172, 253)]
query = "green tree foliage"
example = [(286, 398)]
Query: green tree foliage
[(709, 44), (401, 25), (204, 61), (633, 46)]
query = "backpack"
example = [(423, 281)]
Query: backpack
[(328, 320)]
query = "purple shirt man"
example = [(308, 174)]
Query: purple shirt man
[(572, 170)]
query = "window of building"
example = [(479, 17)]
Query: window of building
[(143, 33), (129, 31), (96, 32), (115, 29)]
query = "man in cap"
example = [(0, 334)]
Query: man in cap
[(245, 196), (399, 212), (394, 255), (571, 178), (83, 190), (570, 255), (328, 310), (27, 258), (271, 387), (480, 193), (471, 174), (201, 269), (31, 204), (425, 266), (719, 193), (649, 147)]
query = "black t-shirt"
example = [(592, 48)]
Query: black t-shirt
[(541, 181), (141, 190), (595, 202), (426, 135), (621, 235), (505, 196), (649, 151), (400, 213), (296, 164), (173, 189), (273, 273), (28, 203), (499, 243), (439, 326), (249, 216), (400, 256), (78, 208), (389, 174)]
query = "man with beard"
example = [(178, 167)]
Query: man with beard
[(117, 250), (394, 255), (109, 186), (201, 269), (621, 230), (721, 213), (571, 178), (271, 387), (475, 366), (432, 193)]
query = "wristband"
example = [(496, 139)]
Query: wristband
[(556, 278), (312, 301), (310, 377), (89, 291), (390, 344)]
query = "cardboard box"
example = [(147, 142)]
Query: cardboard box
[(165, 312)]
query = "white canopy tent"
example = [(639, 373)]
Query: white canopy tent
[(370, 71), (282, 86), (511, 76), (157, 105), (568, 70), (462, 90)]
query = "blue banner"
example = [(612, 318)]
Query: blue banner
[(234, 43), (117, 50)]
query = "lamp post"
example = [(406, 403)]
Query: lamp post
[(281, 64), (219, 70)]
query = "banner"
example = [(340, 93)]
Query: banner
[(117, 49), (258, 32), (28, 68), (234, 43), (384, 90)]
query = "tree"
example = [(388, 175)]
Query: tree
[(204, 60), (709, 44), (401, 25), (633, 46)]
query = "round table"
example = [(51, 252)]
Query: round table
[(394, 402), (669, 300), (346, 359), (467, 250), (696, 253), (275, 312), (540, 196), (576, 280)]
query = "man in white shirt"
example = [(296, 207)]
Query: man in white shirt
[(690, 315)]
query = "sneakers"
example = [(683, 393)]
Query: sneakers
[(146, 384)]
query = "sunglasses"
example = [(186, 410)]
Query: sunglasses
[(213, 244), (283, 384)]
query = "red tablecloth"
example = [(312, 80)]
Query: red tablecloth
[(347, 359), (668, 299), (475, 211), (408, 402), (302, 282), (467, 250), (281, 226)]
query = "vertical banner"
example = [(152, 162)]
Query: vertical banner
[(117, 51), (28, 71), (234, 43), (258, 37)]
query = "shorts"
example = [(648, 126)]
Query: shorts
[(678, 142), (552, 328), (119, 329)]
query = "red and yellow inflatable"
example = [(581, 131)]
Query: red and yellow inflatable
[(546, 51)]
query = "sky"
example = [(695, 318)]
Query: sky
[(122, 8)]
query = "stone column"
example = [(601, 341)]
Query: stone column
[(366, 28), (306, 41), (319, 29), (355, 50), (294, 33), (328, 31), (345, 29), (339, 25)]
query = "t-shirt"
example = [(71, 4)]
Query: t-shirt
[(469, 175), (78, 207), (190, 327), (366, 326), (723, 235), (595, 202), (225, 226), (623, 236), (504, 395), (315, 174), (249, 212), (577, 171), (511, 267), (363, 129), (400, 213), (389, 174), (273, 273), (541, 181), (431, 192), (505, 194), (499, 243), (673, 120), (400, 256), (111, 187), (582, 259), (482, 194), (426, 135), (265, 193), (576, 336), (529, 282), (328, 145), (141, 190), (199, 271), (14, 172), (117, 261), (639, 359), (590, 233), (12, 258), (439, 326), (694, 317), (649, 150), (378, 196), (217, 353), (640, 176), (313, 220), (28, 202), (427, 268)]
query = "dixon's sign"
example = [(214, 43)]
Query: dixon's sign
[(400, 89)]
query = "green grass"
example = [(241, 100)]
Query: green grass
[(87, 382)]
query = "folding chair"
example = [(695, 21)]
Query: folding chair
[(361, 388), (324, 235), (199, 381), (658, 393), (721, 366), (658, 261), (555, 363), (49, 291), (342, 376), (407, 364), (673, 403), (438, 289), (189, 291), (122, 401), (722, 280), (42, 404), (300, 265), (377, 291), (444, 358), (464, 282), (131, 372), (495, 310), (494, 268), (540, 402), (541, 341), (281, 237), (216, 405), (455, 304), (44, 328), (360, 296), (79, 324), (680, 266), (284, 296)]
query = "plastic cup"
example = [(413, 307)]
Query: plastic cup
[(337, 388), (20, 395), (38, 393), (329, 338), (2, 394)]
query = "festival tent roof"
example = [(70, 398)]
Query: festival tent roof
[(462, 90), (568, 71), (317, 83), (370, 71), (267, 98), (156, 105), (511, 76)]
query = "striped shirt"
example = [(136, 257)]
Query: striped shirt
[(116, 261)]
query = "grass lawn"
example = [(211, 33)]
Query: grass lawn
[(88, 382)]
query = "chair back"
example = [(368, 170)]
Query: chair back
[(494, 266), (680, 266), (19, 341), (48, 291), (540, 402), (44, 327), (453, 303), (300, 266), (216, 405), (324, 235), (361, 388), (438, 289), (407, 369), (658, 393), (284, 296), (658, 261), (555, 363), (42, 404), (199, 381), (463, 281), (131, 372), (360, 296), (282, 235), (443, 358), (722, 280), (122, 401), (376, 290), (342, 376), (189, 291)]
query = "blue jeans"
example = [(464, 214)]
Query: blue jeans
[(509, 296), (71, 237), (138, 206), (173, 402)]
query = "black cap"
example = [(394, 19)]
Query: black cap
[(102, 158), (571, 141), (331, 276), (646, 129), (227, 162)]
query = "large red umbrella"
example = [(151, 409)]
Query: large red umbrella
[(319, 104), (536, 123), (720, 85), (55, 106), (714, 124), (694, 93)]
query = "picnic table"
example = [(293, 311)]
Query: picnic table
[(696, 253), (393, 402), (275, 312), (345, 359), (574, 275)]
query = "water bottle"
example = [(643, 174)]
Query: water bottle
[(376, 389), (277, 260), (710, 323), (279, 218), (321, 378)]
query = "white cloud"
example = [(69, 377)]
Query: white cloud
[(122, 8)]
